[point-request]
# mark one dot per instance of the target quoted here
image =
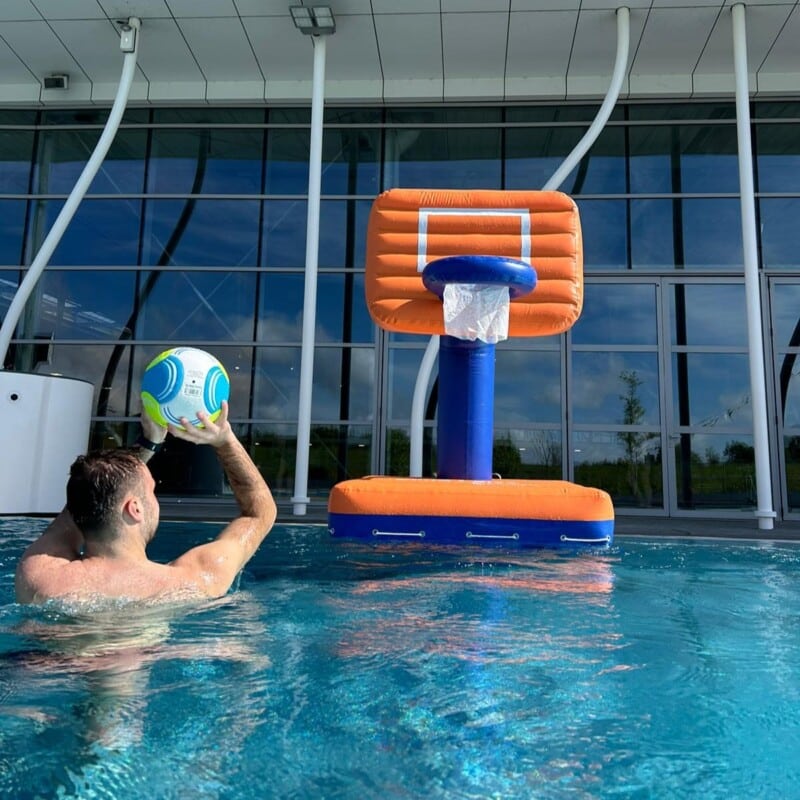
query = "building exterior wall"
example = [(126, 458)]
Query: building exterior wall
[(194, 233)]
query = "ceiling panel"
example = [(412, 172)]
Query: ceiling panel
[(545, 5), (143, 9), (202, 8), (406, 7), (352, 52), (539, 44), (458, 6), (74, 9), (784, 55), (283, 52), (94, 44), (474, 45), (673, 40), (209, 37), (39, 48), (395, 31), (12, 68), (18, 10), (164, 55)]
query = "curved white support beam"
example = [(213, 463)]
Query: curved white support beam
[(588, 139), (300, 500), (129, 44), (418, 405), (758, 379), (610, 100)]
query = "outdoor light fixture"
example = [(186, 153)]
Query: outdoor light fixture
[(313, 20), (56, 81)]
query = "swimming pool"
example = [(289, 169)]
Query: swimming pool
[(657, 669)]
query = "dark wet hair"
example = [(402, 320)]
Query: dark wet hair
[(96, 484)]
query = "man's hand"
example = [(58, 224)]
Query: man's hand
[(215, 433)]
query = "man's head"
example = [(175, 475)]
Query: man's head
[(109, 489)]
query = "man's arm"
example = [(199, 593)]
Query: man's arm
[(151, 438), (217, 563)]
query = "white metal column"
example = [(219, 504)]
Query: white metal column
[(758, 386), (300, 500)]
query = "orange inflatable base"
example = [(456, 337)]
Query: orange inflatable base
[(518, 513)]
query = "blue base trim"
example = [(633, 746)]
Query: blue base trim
[(474, 531)]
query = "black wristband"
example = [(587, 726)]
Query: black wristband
[(146, 444)]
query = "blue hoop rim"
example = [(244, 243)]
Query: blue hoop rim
[(518, 276)]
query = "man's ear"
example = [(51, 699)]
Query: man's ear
[(132, 508)]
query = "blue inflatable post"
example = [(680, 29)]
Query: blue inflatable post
[(466, 409), (465, 427)]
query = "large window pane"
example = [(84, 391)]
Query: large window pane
[(12, 229), (790, 390), (209, 115), (616, 387), (342, 233), (791, 451), (459, 158), (403, 368), (83, 305), (692, 324), (185, 306), (604, 225), (337, 452), (708, 111), (527, 386), (9, 282), (63, 155), (786, 315), (199, 233), (712, 233), (273, 448), (778, 158), (102, 232), (718, 473), (711, 390), (16, 151), (654, 235), (350, 161), (534, 154), (529, 454), (206, 161), (780, 233), (689, 233), (341, 311), (616, 313), (683, 158), (344, 382), (625, 464), (91, 362), (559, 113)]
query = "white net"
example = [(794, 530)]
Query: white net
[(476, 311)]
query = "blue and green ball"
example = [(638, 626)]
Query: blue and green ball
[(182, 381)]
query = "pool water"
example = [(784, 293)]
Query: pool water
[(656, 669)]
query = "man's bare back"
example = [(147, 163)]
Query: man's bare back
[(106, 559)]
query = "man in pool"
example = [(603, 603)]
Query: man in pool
[(95, 548)]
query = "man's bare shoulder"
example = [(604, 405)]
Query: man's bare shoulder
[(40, 579)]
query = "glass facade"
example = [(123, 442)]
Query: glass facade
[(193, 232)]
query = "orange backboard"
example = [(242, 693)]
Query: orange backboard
[(410, 227)]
